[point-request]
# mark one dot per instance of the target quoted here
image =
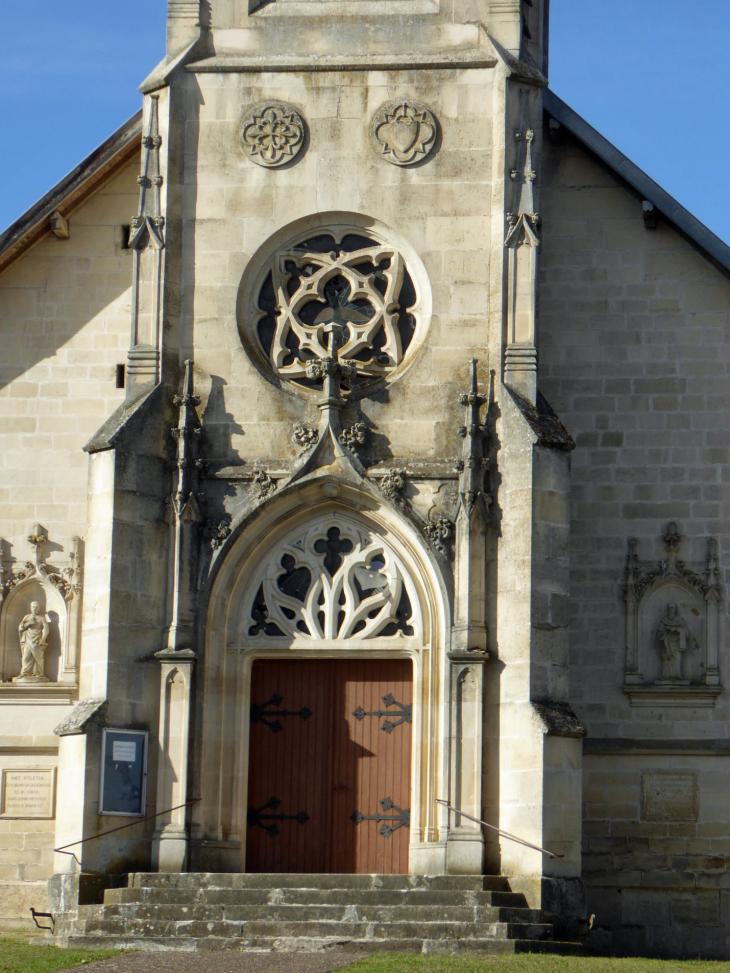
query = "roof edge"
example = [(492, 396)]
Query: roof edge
[(636, 177), (72, 190)]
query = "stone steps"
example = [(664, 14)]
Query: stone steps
[(367, 913), (319, 929), (307, 897), (284, 944), (311, 913), (317, 882)]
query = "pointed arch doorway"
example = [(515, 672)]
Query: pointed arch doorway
[(337, 600), (330, 766)]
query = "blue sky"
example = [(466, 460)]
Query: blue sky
[(650, 75)]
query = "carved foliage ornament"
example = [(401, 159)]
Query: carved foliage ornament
[(361, 286), (333, 580), (273, 134), (404, 132)]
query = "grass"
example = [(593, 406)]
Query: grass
[(405, 963), (18, 955)]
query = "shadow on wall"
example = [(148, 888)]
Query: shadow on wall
[(219, 425), (66, 302)]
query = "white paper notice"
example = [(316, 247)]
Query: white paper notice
[(124, 751)]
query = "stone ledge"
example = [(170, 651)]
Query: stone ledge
[(49, 692), (348, 62), (691, 697), (594, 746), (349, 8)]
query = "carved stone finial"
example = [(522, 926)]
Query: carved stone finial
[(471, 466), (524, 222), (148, 225), (186, 433)]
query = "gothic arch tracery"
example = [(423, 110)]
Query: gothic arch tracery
[(332, 579)]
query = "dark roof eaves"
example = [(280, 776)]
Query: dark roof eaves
[(627, 170), (117, 142)]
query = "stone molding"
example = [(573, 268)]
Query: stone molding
[(343, 62)]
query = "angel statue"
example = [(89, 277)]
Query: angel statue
[(33, 632)]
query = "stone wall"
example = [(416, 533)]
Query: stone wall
[(65, 312), (441, 210), (634, 353), (26, 844), (656, 842)]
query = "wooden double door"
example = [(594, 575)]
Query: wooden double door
[(330, 766)]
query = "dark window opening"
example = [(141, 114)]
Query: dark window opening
[(120, 376)]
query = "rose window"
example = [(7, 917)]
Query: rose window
[(349, 295), (334, 581)]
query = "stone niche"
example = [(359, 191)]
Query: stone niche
[(672, 628), (39, 623)]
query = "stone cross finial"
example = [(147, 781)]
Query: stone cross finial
[(471, 467)]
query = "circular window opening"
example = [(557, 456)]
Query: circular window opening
[(335, 294)]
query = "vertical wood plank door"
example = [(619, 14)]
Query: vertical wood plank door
[(330, 766)]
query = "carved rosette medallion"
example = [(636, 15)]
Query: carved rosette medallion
[(404, 132), (273, 134)]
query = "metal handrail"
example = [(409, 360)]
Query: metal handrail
[(505, 834), (102, 834)]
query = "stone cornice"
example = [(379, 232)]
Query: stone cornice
[(343, 62)]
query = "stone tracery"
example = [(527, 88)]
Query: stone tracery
[(333, 580), (353, 282)]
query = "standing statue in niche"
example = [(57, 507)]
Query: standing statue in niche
[(674, 639), (33, 632)]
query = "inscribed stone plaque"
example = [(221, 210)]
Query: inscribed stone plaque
[(27, 793), (669, 795)]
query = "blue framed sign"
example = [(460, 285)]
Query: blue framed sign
[(123, 772)]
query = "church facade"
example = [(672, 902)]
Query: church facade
[(365, 448)]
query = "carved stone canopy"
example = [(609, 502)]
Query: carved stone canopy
[(39, 619), (672, 635)]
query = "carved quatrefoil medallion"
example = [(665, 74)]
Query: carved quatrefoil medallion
[(273, 134), (404, 132)]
